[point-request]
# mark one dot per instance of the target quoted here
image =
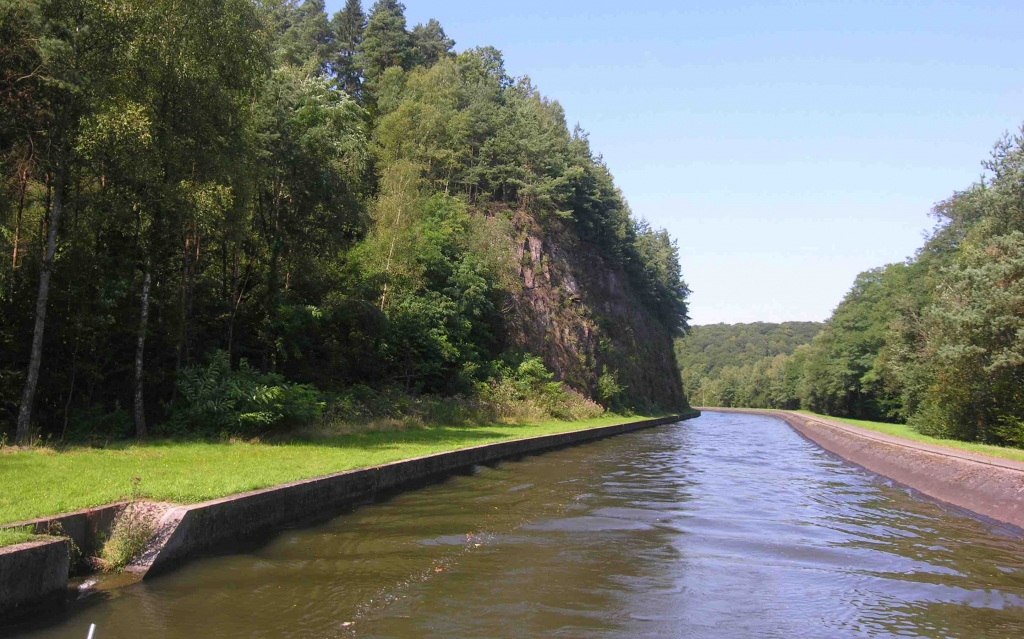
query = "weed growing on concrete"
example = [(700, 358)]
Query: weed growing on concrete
[(127, 540), (131, 530), (75, 556)]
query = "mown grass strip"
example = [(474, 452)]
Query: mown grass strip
[(44, 482), (906, 432), (15, 536)]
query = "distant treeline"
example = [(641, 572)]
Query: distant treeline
[(742, 364), (936, 342), (212, 212)]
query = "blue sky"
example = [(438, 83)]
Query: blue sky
[(787, 146)]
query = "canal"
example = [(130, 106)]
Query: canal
[(726, 526)]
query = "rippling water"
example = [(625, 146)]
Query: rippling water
[(726, 526)]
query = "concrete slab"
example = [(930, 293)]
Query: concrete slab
[(32, 574)]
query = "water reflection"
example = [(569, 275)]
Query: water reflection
[(726, 526)]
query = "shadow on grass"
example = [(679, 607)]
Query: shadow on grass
[(397, 439), (374, 440)]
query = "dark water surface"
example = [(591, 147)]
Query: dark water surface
[(726, 526)]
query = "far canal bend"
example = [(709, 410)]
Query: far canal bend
[(726, 526)]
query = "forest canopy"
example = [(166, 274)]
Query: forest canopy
[(725, 363), (241, 207)]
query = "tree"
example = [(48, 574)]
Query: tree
[(69, 58), (705, 350), (349, 25), (973, 347), (193, 97), (430, 44), (311, 154), (385, 42), (308, 38), (162, 200)]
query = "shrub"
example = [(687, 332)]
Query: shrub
[(96, 424), (214, 399), (515, 392), (526, 392), (609, 391)]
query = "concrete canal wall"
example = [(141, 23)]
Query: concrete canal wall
[(32, 573), (84, 527), (189, 530), (988, 486)]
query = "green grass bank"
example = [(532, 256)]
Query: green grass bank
[(15, 536), (906, 432), (43, 482)]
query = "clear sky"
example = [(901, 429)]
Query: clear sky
[(787, 146)]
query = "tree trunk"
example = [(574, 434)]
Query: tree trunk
[(182, 314), (28, 394), (71, 390), (273, 299), (17, 224), (237, 299), (140, 349), (387, 265), (274, 239)]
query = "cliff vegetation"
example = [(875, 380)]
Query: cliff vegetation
[(234, 216)]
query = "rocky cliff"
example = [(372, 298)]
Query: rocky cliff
[(581, 314)]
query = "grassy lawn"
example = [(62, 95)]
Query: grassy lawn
[(14, 536), (44, 482), (906, 432)]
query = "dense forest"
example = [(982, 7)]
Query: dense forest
[(223, 216), (741, 364), (937, 341)]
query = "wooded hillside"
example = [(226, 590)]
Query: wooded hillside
[(936, 342), (223, 214), (718, 361)]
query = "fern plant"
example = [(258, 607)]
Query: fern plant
[(214, 398)]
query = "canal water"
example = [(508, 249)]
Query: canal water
[(726, 526)]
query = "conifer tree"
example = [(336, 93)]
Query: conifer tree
[(309, 37), (349, 25), (430, 43), (385, 43)]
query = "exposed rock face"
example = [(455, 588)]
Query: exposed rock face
[(577, 311)]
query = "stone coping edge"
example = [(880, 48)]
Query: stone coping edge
[(982, 485), (186, 531)]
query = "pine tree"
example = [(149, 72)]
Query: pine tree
[(385, 43), (308, 39), (430, 43), (349, 25)]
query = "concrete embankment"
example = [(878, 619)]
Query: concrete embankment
[(184, 532), (32, 574), (987, 486), (190, 530)]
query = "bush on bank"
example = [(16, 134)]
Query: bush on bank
[(214, 399)]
